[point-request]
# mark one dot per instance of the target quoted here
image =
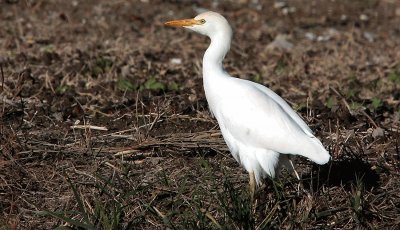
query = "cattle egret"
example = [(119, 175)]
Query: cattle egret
[(259, 127)]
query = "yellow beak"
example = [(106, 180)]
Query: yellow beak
[(183, 22)]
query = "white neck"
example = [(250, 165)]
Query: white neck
[(215, 54)]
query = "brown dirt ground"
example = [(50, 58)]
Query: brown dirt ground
[(161, 162)]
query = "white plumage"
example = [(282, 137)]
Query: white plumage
[(258, 126)]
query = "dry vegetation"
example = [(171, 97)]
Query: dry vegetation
[(104, 124)]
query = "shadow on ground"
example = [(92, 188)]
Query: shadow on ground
[(346, 173)]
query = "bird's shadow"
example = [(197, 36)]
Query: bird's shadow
[(345, 173)]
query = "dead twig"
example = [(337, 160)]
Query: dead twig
[(94, 127), (343, 100), (2, 77)]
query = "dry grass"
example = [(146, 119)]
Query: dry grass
[(101, 129)]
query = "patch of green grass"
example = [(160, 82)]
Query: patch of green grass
[(353, 88), (281, 67), (102, 65), (48, 48), (98, 66), (173, 86), (125, 85), (197, 220), (61, 89), (106, 213), (352, 92), (300, 106), (376, 103), (355, 106), (236, 207), (331, 102), (258, 78), (85, 221), (394, 76), (153, 84), (200, 207), (357, 201)]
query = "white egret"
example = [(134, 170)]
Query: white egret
[(258, 126)]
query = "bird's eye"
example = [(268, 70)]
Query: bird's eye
[(202, 21)]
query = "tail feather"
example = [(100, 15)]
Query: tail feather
[(315, 151)]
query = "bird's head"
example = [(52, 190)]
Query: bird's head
[(208, 23)]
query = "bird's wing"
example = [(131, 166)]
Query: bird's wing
[(257, 119), (284, 105)]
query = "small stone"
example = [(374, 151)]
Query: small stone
[(397, 12), (310, 36), (176, 61), (280, 43), (333, 32), (279, 5), (323, 38), (378, 132), (125, 70), (369, 36), (58, 116), (192, 98), (364, 17)]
